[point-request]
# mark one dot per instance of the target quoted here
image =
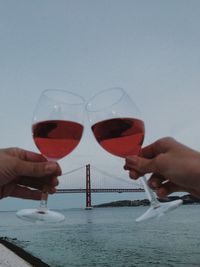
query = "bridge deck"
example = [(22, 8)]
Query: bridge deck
[(100, 190)]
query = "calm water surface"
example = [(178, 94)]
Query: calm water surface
[(110, 237)]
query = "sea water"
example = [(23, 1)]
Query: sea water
[(108, 237)]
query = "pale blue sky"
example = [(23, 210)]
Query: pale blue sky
[(151, 48)]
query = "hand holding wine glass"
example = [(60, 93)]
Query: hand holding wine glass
[(174, 167), (57, 129), (119, 129), (24, 173)]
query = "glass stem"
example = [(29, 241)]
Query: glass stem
[(43, 201), (150, 194), (44, 197)]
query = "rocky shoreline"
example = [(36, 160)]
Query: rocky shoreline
[(187, 199)]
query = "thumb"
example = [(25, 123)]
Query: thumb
[(37, 169), (139, 164)]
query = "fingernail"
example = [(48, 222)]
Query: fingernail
[(51, 167), (133, 175)]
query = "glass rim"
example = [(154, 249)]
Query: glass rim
[(81, 98), (123, 92)]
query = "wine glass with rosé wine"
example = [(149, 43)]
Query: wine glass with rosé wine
[(57, 128), (119, 129)]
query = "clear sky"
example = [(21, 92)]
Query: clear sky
[(150, 48)]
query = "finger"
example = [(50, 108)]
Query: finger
[(194, 192), (140, 165), (134, 175), (38, 183), (52, 190), (54, 182), (26, 193), (167, 189), (19, 191), (41, 169), (26, 155), (32, 156), (156, 181), (160, 146)]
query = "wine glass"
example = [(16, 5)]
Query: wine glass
[(57, 128), (119, 129)]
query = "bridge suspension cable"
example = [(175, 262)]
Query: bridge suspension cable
[(112, 176), (66, 173)]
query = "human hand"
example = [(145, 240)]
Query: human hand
[(174, 167), (24, 174)]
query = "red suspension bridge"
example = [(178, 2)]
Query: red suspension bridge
[(100, 182)]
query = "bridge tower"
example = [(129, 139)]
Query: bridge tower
[(88, 188)]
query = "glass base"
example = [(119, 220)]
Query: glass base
[(159, 210), (40, 216)]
